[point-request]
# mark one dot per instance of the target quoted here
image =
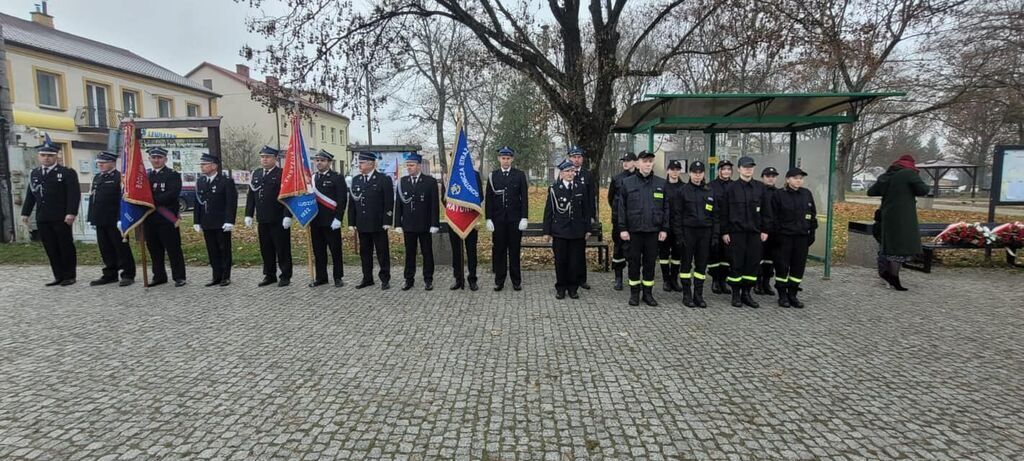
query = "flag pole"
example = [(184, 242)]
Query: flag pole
[(309, 251), (141, 237)]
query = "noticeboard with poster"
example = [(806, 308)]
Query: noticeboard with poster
[(183, 156), (1008, 175), (390, 163)]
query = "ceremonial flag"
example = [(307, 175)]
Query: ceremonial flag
[(297, 191), (462, 206), (136, 194)]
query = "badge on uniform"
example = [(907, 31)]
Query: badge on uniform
[(808, 216), (708, 207), (659, 195)]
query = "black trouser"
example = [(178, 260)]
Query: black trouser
[(744, 258), (457, 247), (768, 249), (368, 243), (570, 257), (60, 249), (426, 243), (161, 237), (643, 254), (670, 253), (275, 249), (790, 260), (619, 252), (218, 248), (322, 238), (116, 253), (718, 260), (696, 247), (505, 252)]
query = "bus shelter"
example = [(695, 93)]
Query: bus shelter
[(719, 113)]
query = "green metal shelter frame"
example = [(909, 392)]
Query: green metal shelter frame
[(715, 113)]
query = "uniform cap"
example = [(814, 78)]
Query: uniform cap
[(368, 156), (565, 165), (645, 154), (105, 156), (696, 166), (795, 171), (156, 152), (506, 151), (324, 155), (267, 150), (724, 163), (207, 158), (627, 157), (575, 150), (746, 161), (414, 157), (769, 171), (675, 165)]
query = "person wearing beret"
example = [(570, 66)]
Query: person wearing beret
[(745, 225), (670, 251), (274, 220), (643, 221), (104, 208), (506, 208), (216, 207), (162, 233), (764, 275), (619, 251), (325, 229), (718, 266), (54, 195), (586, 179), (695, 223), (370, 207), (417, 218), (567, 224), (794, 223)]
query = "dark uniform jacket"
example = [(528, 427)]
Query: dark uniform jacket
[(417, 208), (105, 199), (642, 205), (331, 184), (372, 202), (216, 201), (166, 185), (613, 189), (694, 207), (506, 199), (586, 179), (673, 191), (56, 194), (566, 211), (793, 212), (262, 197), (743, 208), (718, 188)]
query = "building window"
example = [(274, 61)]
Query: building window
[(193, 110), (312, 130), (130, 103), (334, 139), (208, 83), (323, 133), (48, 89), (165, 107)]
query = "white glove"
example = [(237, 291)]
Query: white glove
[(227, 227), (335, 225), (398, 230), (522, 224), (433, 230), (350, 227), (286, 223), (490, 225), (197, 228), (248, 221), (386, 227), (119, 225)]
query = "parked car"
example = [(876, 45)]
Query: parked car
[(187, 198), (857, 185)]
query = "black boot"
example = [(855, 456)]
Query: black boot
[(677, 283), (666, 275), (698, 294), (736, 298), (687, 296), (716, 285), (767, 271), (634, 295), (783, 295), (894, 276), (649, 296), (724, 287), (793, 300), (618, 279), (745, 298)]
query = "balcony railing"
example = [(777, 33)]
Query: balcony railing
[(97, 119)]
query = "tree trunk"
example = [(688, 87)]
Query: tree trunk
[(442, 156), (844, 167)]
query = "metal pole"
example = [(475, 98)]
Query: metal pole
[(712, 156), (141, 237), (831, 180), (650, 140), (792, 149)]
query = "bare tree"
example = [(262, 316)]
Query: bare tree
[(240, 148)]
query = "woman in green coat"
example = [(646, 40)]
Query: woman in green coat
[(899, 188)]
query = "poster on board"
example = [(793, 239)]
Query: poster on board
[(1008, 175)]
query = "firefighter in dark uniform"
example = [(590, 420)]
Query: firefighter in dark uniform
[(417, 218), (467, 246), (370, 207), (506, 207), (104, 208), (670, 251), (619, 247), (215, 211), (162, 233), (694, 223), (325, 229), (764, 276), (745, 224), (795, 220), (274, 220), (718, 265), (643, 221), (586, 179), (54, 188), (567, 224)]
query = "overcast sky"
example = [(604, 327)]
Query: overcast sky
[(176, 34)]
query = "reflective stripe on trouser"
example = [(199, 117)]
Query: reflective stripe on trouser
[(790, 259), (620, 250), (643, 254), (696, 249), (744, 257), (648, 283)]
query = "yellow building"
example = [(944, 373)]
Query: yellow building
[(77, 90), (323, 128)]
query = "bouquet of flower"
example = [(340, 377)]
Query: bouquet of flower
[(962, 233), (1010, 234)]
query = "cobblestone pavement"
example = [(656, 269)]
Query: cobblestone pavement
[(298, 373)]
